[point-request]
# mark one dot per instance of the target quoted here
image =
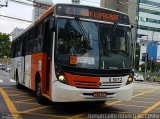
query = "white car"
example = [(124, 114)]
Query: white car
[(8, 68), (138, 77)]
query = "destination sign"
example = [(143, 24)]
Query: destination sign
[(91, 13)]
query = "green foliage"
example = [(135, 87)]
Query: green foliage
[(151, 66), (5, 45)]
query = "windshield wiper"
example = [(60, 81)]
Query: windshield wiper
[(82, 29), (112, 31)]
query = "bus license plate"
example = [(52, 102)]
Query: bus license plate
[(99, 94)]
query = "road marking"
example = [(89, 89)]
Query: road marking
[(112, 103), (15, 91), (50, 115), (25, 100), (152, 96), (148, 91), (16, 95), (10, 104), (11, 80), (9, 87), (140, 101), (131, 105), (148, 110), (151, 107), (30, 103), (33, 109), (25, 96), (149, 98), (1, 81)]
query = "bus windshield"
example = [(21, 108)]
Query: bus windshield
[(93, 45)]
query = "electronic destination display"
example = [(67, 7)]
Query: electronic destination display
[(91, 13)]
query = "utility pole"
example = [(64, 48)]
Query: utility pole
[(145, 59)]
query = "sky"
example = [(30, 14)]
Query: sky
[(24, 12)]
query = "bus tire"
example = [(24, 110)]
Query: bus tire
[(18, 85), (40, 98)]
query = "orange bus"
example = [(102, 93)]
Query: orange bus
[(75, 53)]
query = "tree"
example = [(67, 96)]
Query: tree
[(5, 45), (151, 66)]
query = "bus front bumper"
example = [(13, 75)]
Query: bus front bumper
[(66, 93)]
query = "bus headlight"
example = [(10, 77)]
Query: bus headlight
[(130, 80), (61, 78), (60, 75)]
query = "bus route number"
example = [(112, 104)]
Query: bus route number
[(114, 80)]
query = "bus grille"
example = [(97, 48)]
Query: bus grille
[(109, 85), (97, 85), (85, 84)]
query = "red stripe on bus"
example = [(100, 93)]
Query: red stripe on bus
[(38, 64), (82, 81), (35, 59)]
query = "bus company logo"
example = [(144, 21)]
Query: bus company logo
[(100, 83)]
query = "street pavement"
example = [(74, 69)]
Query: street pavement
[(5, 79), (22, 104)]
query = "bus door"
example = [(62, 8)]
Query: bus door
[(23, 50), (48, 50)]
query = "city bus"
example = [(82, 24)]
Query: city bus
[(75, 53)]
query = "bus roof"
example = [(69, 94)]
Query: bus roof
[(84, 9)]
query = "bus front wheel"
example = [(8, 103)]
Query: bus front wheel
[(18, 85), (40, 98)]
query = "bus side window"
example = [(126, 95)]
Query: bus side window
[(18, 48), (30, 45), (23, 52), (13, 50), (31, 42), (39, 37)]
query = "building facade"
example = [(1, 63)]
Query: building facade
[(149, 19), (126, 6), (40, 6), (15, 32), (145, 17), (148, 29)]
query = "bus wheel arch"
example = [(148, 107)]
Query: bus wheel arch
[(40, 98), (18, 85), (37, 78)]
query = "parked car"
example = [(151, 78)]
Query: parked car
[(8, 68), (138, 77), (1, 65), (4, 67)]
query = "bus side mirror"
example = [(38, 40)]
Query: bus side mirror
[(52, 24)]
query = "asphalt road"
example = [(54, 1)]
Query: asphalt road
[(22, 104)]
